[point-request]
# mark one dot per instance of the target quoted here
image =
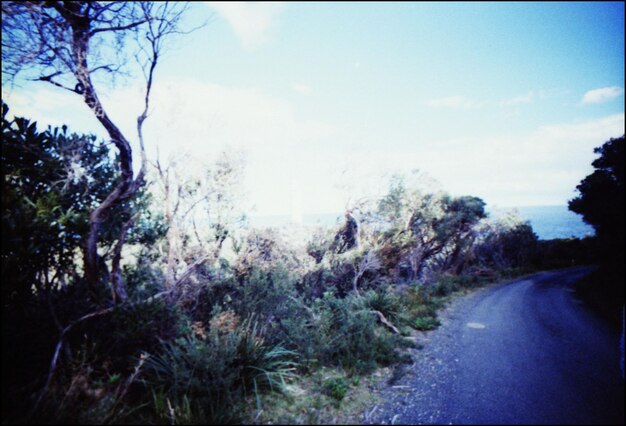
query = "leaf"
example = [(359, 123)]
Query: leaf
[(29, 201)]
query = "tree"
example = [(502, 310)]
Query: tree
[(51, 180), (458, 229), (601, 199), (65, 44), (601, 203), (505, 241), (420, 228), (192, 194)]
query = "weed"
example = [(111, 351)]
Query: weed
[(426, 323), (336, 388)]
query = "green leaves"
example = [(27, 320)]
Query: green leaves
[(601, 200), (52, 180), (214, 372)]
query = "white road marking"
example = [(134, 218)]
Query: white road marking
[(475, 325)]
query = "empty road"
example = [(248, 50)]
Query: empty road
[(525, 352)]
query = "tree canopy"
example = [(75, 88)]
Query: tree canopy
[(601, 199), (67, 44)]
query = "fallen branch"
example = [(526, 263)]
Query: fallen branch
[(386, 322)]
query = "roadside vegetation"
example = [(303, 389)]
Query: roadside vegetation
[(601, 203)]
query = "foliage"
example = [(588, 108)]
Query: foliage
[(563, 253), (601, 200), (505, 242), (201, 205), (265, 293), (347, 334), (426, 323), (51, 180), (319, 244), (264, 249), (424, 230), (601, 203), (385, 301), (336, 388), (201, 377), (338, 302)]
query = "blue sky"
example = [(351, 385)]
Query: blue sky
[(502, 101)]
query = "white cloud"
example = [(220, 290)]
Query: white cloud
[(519, 100), (602, 94), (51, 106), (302, 88), (251, 21), (205, 118), (541, 167), (456, 102)]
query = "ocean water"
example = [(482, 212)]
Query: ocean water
[(548, 222), (551, 222)]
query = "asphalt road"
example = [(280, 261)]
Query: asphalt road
[(527, 352)]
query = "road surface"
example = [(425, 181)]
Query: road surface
[(527, 352)]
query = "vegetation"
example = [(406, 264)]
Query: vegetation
[(601, 204), (211, 341), (142, 298), (194, 341)]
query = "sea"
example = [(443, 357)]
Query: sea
[(548, 222)]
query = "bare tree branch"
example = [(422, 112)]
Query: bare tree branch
[(118, 28), (59, 39), (57, 351)]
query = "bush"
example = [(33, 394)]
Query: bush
[(351, 337), (341, 332), (426, 323), (203, 376), (336, 388), (386, 302), (421, 303), (265, 293), (562, 253)]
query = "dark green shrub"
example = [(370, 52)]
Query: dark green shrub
[(336, 388), (265, 293), (445, 285), (119, 337), (341, 332), (206, 375), (386, 302), (422, 303), (426, 323), (351, 336)]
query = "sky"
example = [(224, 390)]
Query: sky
[(504, 101)]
